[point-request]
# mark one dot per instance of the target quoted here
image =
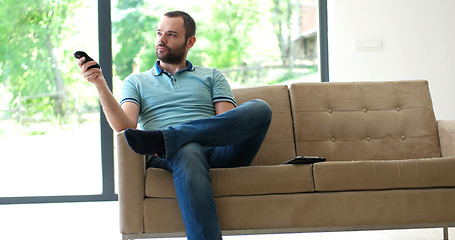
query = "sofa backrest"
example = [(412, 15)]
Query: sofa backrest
[(278, 145), (364, 120)]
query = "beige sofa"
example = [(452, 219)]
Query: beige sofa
[(390, 165)]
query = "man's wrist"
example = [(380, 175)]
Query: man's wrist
[(100, 85)]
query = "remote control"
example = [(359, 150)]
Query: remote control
[(80, 54), (305, 160)]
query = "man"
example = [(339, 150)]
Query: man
[(189, 118)]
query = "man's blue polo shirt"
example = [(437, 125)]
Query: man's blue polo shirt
[(167, 100)]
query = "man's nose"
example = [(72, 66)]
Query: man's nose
[(161, 39)]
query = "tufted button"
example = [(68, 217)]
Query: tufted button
[(333, 139), (364, 110), (368, 138), (398, 109), (403, 137), (330, 110)]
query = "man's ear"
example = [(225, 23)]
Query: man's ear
[(190, 42)]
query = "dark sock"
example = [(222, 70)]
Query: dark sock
[(145, 142)]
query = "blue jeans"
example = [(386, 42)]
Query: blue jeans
[(231, 139)]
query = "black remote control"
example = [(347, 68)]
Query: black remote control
[(305, 160), (80, 54)]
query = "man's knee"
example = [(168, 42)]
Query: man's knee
[(261, 109), (191, 149), (190, 157)]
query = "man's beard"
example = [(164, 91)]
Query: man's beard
[(173, 55)]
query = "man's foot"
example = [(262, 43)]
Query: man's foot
[(145, 142)]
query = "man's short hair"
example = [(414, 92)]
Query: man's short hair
[(188, 22)]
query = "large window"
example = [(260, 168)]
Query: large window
[(253, 42), (55, 144), (50, 120)]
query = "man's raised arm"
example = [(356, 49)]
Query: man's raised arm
[(119, 117)]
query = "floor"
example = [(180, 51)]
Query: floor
[(99, 221)]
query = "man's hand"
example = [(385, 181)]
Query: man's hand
[(93, 75)]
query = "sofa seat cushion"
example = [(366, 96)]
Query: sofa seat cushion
[(383, 175), (253, 180)]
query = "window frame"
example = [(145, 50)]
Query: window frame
[(323, 41)]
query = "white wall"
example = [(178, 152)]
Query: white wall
[(418, 42)]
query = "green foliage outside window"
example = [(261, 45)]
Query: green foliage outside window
[(40, 80), (32, 60)]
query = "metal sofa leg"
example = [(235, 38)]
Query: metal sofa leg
[(445, 233)]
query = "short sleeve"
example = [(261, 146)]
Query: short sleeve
[(130, 91), (221, 90)]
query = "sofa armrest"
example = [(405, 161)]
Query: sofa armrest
[(131, 170), (446, 130)]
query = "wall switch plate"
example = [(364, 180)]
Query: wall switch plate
[(367, 45)]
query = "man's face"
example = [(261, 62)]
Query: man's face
[(171, 45)]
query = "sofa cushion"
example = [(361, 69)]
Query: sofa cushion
[(254, 180), (278, 145), (382, 175), (365, 120)]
